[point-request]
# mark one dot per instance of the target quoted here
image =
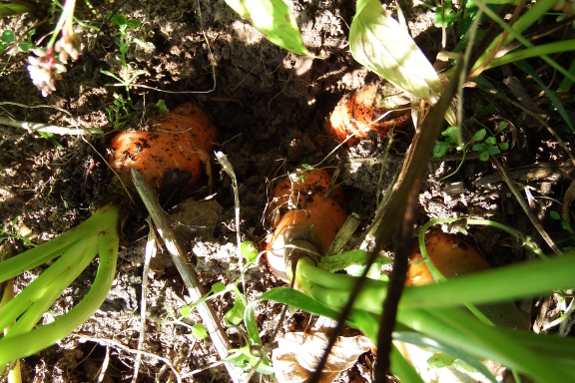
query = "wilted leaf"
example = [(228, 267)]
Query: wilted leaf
[(378, 42), (298, 353), (274, 20)]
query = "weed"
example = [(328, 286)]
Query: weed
[(118, 113), (7, 39), (125, 77), (484, 144), (489, 146)]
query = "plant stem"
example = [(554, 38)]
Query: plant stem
[(107, 216), (79, 257), (23, 345)]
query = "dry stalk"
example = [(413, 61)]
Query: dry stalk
[(150, 253), (195, 289)]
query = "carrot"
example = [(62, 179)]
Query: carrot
[(303, 218), (454, 257), (367, 109), (179, 143), (451, 255)]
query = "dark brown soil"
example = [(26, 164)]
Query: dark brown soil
[(269, 106)]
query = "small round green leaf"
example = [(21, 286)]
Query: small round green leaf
[(249, 251), (479, 135), (493, 150), (134, 24), (235, 315), (555, 215), (186, 311), (199, 331), (479, 147), (484, 156), (438, 360), (440, 149), (7, 36)]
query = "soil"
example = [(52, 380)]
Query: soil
[(269, 106)]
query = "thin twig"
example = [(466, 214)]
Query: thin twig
[(534, 221), (111, 342), (150, 253), (229, 170), (104, 367), (39, 127), (195, 289), (396, 283)]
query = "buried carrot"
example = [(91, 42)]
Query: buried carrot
[(178, 146), (453, 257), (369, 108), (312, 216)]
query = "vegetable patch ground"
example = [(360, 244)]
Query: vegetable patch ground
[(269, 107)]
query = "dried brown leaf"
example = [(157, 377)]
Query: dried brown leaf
[(298, 353)]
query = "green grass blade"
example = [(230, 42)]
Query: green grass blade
[(531, 16), (530, 50), (461, 330), (525, 67), (551, 345), (299, 300), (503, 284), (421, 340)]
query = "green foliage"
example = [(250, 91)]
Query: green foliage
[(162, 108), (439, 360), (6, 39), (125, 78), (14, 8), (488, 145), (74, 251), (566, 226), (118, 113), (248, 357), (379, 43), (484, 144), (274, 20), (235, 315), (199, 331), (249, 251), (449, 142)]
